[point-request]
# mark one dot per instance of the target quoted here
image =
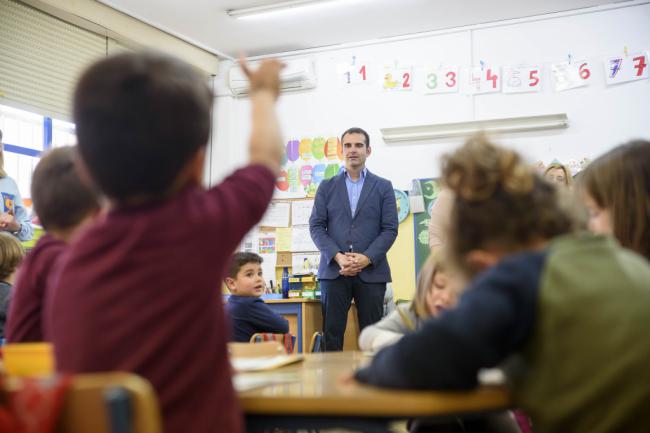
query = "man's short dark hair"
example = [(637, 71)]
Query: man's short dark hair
[(238, 260), (61, 200), (140, 117), (356, 130), (0, 135)]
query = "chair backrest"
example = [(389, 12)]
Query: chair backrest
[(315, 343), (86, 408), (250, 350), (287, 340)]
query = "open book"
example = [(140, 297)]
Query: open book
[(262, 363)]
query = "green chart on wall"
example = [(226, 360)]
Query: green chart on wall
[(430, 189)]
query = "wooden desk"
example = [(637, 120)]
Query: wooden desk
[(318, 392), (305, 317)]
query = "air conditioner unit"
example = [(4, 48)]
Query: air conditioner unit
[(296, 75)]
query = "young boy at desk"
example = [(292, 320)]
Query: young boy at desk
[(249, 313), (137, 291), (65, 206)]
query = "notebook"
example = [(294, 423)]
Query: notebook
[(263, 362)]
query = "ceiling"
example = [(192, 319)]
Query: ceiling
[(206, 24)]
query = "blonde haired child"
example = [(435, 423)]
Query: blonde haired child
[(11, 254), (435, 292), (558, 173)]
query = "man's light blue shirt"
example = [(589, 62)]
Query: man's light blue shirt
[(354, 188)]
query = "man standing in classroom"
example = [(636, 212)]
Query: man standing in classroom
[(353, 224)]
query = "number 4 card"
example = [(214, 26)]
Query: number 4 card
[(484, 80), (522, 80), (440, 80), (621, 69)]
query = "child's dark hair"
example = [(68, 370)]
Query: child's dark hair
[(619, 181), (501, 201), (61, 200), (240, 259), (11, 254), (140, 118)]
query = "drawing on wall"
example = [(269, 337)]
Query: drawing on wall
[(307, 162), (430, 189)]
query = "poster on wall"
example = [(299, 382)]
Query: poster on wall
[(430, 189), (306, 163)]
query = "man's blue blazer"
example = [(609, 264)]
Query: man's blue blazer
[(371, 231)]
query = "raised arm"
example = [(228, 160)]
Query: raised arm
[(266, 140)]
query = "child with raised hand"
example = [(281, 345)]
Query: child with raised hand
[(138, 291), (616, 190), (436, 292), (248, 313), (65, 207), (11, 255), (571, 310)]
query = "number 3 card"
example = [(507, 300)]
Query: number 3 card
[(440, 80)]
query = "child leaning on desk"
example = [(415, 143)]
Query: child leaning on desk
[(436, 292), (248, 313), (568, 311)]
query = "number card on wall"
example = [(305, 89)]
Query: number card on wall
[(621, 69), (398, 79), (569, 75), (484, 80), (522, 80), (440, 80), (354, 73)]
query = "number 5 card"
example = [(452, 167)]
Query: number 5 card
[(522, 80)]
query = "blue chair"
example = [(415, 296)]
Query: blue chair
[(315, 344)]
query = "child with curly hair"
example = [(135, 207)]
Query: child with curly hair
[(568, 311)]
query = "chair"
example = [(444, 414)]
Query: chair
[(287, 340), (315, 343), (250, 350), (98, 403), (90, 405)]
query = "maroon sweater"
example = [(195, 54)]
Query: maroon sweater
[(141, 292), (25, 322)]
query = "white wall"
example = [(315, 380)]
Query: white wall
[(600, 117)]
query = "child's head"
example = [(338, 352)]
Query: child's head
[(143, 120), (502, 205), (61, 200), (558, 174), (436, 290), (11, 254), (245, 275), (616, 189)]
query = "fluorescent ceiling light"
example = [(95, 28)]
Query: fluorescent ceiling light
[(281, 8), (447, 130)]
